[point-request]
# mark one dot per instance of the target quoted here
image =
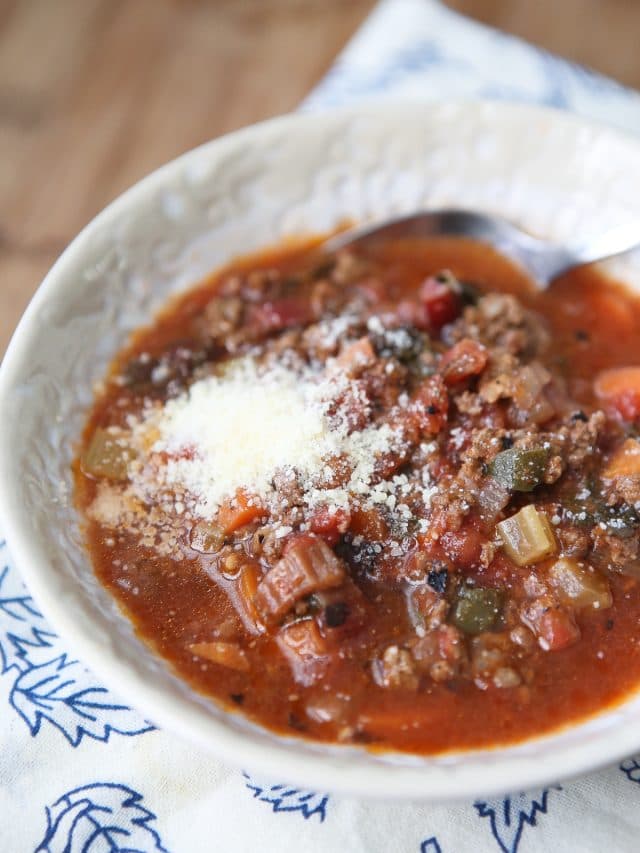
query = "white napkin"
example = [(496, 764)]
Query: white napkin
[(81, 771), (421, 49)]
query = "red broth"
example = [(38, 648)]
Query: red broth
[(337, 617)]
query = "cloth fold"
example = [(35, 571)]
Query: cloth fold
[(422, 49), (81, 771)]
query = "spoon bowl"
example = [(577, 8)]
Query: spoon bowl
[(542, 259)]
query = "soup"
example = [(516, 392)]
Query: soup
[(388, 497)]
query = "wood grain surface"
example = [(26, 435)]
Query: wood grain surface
[(94, 94), (604, 34)]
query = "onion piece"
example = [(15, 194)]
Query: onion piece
[(527, 536), (305, 649), (577, 586), (225, 654), (493, 497), (206, 537), (108, 454)]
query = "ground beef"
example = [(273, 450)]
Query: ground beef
[(616, 552), (624, 490), (500, 320), (582, 437), (575, 541)]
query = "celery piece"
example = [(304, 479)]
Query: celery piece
[(527, 536)]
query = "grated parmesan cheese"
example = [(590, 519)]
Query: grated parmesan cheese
[(241, 428)]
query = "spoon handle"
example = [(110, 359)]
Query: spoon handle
[(615, 241), (546, 261)]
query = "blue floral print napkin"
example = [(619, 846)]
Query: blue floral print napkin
[(81, 772)]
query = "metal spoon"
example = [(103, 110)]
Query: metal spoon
[(543, 260)]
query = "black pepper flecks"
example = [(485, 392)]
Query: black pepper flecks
[(335, 614), (438, 579)]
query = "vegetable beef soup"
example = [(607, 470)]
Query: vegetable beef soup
[(387, 497)]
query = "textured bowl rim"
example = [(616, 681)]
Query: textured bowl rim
[(500, 770)]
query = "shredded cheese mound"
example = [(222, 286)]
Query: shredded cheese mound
[(242, 427)]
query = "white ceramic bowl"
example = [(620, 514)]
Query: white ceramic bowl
[(557, 175)]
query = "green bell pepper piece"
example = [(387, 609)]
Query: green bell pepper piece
[(477, 609), (520, 470)]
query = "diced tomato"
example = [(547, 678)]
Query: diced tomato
[(427, 542), (238, 511), (430, 405), (465, 359), (440, 468), (411, 313), (441, 303), (305, 649), (414, 564), (437, 305), (557, 630), (369, 523), (330, 524), (499, 573), (280, 314), (423, 598), (620, 388), (464, 546), (554, 626), (304, 540)]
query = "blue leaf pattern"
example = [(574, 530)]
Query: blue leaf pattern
[(104, 817), (284, 798), (508, 817), (65, 694), (48, 686), (631, 768), (430, 845), (21, 624)]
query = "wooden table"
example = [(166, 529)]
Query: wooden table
[(96, 93)]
